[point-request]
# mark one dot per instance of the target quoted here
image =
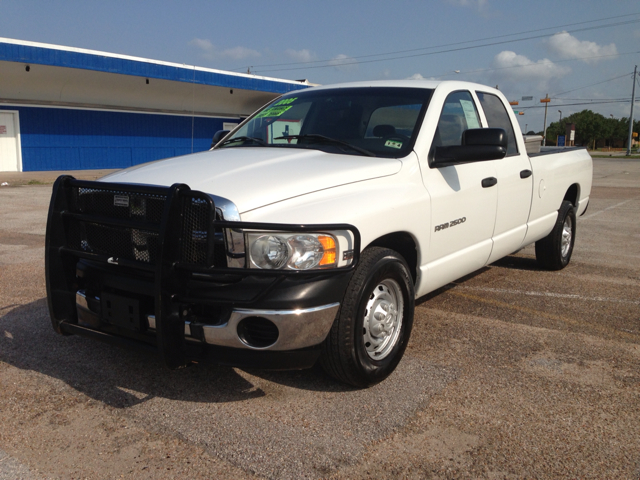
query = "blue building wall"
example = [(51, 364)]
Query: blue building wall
[(67, 139)]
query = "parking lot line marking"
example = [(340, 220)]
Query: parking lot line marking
[(608, 208), (551, 294), (592, 326)]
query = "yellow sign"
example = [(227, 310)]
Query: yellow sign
[(635, 135)]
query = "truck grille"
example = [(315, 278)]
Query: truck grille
[(117, 242), (126, 225), (116, 204)]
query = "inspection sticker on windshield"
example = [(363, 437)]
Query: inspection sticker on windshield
[(273, 111), (393, 144)]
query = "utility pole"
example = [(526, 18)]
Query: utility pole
[(633, 99), (546, 101)]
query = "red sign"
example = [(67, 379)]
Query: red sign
[(3, 129)]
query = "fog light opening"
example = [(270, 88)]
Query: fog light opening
[(257, 332)]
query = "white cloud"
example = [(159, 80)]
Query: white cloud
[(300, 55), (202, 44), (566, 45), (211, 52), (238, 53), (513, 68), (468, 3), (417, 76), (344, 63)]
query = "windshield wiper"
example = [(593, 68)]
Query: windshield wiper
[(322, 138), (243, 138)]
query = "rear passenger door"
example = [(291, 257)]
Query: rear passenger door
[(515, 182), (463, 212)]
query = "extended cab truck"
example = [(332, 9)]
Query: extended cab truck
[(307, 233)]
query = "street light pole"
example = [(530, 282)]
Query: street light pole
[(560, 115), (633, 99)]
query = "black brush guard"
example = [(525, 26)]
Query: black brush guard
[(168, 231)]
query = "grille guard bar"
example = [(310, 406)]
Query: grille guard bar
[(170, 269)]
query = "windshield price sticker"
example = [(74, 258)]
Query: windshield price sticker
[(274, 111), (393, 144), (286, 101)]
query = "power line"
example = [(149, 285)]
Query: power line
[(584, 103), (482, 70), (591, 85), (594, 99), (556, 95), (444, 51), (450, 44)]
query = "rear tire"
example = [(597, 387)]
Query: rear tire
[(372, 328), (554, 251)]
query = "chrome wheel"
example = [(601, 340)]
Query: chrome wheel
[(383, 319), (553, 252), (370, 334), (567, 233)]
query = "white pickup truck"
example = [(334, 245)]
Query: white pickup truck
[(307, 233)]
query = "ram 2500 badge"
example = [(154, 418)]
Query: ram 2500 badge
[(307, 233)]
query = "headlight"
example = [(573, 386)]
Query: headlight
[(269, 251), (294, 251)]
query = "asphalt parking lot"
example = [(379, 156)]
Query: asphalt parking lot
[(511, 372)]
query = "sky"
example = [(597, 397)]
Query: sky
[(581, 53)]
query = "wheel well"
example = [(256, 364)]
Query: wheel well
[(405, 245), (572, 194)]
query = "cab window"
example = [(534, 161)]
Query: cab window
[(458, 114), (497, 117)]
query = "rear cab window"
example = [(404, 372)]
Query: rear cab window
[(497, 117)]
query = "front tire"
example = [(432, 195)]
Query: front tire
[(554, 251), (372, 328)]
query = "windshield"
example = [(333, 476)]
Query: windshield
[(375, 121)]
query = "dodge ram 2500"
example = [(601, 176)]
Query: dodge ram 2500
[(307, 233)]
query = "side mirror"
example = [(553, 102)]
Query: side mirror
[(478, 144), (219, 135)]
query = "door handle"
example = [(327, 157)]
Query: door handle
[(489, 182), (525, 173)]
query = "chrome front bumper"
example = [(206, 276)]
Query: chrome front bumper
[(296, 328)]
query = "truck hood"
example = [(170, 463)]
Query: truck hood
[(255, 176)]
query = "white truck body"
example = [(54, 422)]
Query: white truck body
[(385, 196), (424, 219)]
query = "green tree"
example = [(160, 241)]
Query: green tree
[(623, 129), (590, 127)]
